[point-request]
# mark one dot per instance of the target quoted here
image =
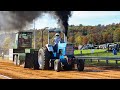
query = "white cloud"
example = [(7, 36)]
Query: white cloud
[(84, 14), (81, 17), (94, 17), (45, 21)]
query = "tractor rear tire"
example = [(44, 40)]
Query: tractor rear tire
[(43, 59), (80, 65), (57, 65)]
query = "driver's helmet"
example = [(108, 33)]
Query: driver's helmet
[(57, 34)]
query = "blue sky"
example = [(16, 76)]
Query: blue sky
[(81, 17)]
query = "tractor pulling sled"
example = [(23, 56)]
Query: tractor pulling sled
[(50, 57)]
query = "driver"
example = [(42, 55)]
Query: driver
[(56, 41), (57, 38)]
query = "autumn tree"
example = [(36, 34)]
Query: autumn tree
[(116, 35), (71, 39), (79, 40), (110, 38), (105, 37), (84, 40), (91, 38), (6, 44)]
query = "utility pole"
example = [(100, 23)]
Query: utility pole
[(34, 34), (42, 34)]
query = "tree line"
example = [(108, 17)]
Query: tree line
[(99, 34), (78, 35), (81, 35)]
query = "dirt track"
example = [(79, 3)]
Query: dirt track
[(7, 68)]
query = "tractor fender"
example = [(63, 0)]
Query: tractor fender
[(49, 47)]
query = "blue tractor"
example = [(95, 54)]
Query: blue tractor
[(62, 59)]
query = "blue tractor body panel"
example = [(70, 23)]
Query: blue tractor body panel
[(62, 46), (61, 52)]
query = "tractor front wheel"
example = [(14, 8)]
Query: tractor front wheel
[(80, 64)]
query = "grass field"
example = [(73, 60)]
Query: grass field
[(98, 52)]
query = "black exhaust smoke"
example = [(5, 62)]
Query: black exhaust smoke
[(63, 19), (17, 20), (23, 18)]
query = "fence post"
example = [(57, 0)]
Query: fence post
[(90, 60), (84, 60), (107, 61), (81, 53), (98, 60), (116, 61)]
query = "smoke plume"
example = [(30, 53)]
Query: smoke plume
[(17, 20), (63, 19)]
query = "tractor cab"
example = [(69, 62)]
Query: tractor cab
[(62, 48), (52, 44), (23, 40)]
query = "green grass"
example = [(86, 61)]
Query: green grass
[(97, 52)]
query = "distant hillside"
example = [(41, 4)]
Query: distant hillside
[(3, 36)]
